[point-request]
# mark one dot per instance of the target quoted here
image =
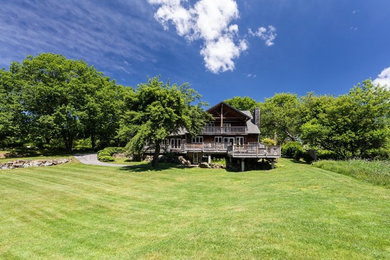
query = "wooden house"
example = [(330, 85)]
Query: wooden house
[(232, 133)]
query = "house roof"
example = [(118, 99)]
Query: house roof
[(248, 113), (243, 113), (252, 128)]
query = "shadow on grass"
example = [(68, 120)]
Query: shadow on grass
[(149, 167), (298, 162)]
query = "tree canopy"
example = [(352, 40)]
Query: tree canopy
[(242, 103), (157, 110), (58, 99)]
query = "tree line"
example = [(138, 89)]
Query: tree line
[(51, 102)]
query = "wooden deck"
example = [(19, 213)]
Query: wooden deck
[(254, 150)]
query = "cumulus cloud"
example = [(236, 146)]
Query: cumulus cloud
[(209, 21), (268, 35), (383, 78)]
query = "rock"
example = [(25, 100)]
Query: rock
[(217, 166), (183, 161), (32, 163), (204, 165), (148, 158)]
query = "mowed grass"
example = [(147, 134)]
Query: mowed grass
[(377, 172), (294, 211)]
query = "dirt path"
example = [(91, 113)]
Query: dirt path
[(91, 159)]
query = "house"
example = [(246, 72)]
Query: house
[(232, 133)]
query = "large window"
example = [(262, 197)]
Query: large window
[(197, 140)]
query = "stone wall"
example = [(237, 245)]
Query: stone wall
[(32, 163)]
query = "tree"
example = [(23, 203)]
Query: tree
[(242, 103), (66, 99), (13, 121), (158, 109), (280, 117), (353, 125)]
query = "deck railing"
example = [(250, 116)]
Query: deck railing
[(246, 150), (225, 130), (254, 151)]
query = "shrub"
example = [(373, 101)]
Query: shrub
[(268, 142), (105, 155), (106, 158), (292, 149), (327, 155)]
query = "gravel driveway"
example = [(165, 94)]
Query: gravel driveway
[(91, 159)]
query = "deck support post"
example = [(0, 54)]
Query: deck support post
[(209, 159), (242, 164), (272, 164)]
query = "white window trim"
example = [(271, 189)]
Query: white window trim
[(218, 137), (239, 138), (197, 140)]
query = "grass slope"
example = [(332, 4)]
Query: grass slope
[(377, 172), (294, 211)]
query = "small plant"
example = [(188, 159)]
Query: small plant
[(221, 161)]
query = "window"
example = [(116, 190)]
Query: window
[(218, 139), (240, 140), (175, 143), (197, 140)]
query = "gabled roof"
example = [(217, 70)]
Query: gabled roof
[(243, 113)]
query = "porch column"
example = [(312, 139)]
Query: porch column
[(242, 164), (209, 159)]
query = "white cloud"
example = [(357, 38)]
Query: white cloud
[(207, 20), (383, 78), (268, 35)]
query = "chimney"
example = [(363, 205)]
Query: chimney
[(256, 117)]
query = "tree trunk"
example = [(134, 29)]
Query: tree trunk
[(155, 155), (93, 142), (68, 141)]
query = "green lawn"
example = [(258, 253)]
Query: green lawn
[(294, 211)]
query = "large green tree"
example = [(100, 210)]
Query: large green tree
[(353, 125), (280, 117), (158, 109), (66, 99)]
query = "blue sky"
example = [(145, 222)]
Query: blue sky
[(223, 48)]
